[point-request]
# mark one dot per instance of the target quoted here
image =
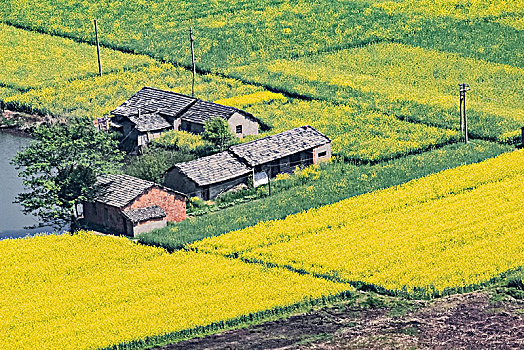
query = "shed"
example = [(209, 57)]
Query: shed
[(207, 177), (129, 205), (240, 123), (283, 152)]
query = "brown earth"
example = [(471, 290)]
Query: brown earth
[(480, 320)]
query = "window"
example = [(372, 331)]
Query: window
[(239, 129), (322, 154)]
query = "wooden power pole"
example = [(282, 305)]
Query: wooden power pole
[(192, 60), (98, 49), (463, 120)]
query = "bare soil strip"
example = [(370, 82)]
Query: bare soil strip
[(479, 320)]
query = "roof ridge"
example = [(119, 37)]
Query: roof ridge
[(270, 136), (168, 91), (199, 169)]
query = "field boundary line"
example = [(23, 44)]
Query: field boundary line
[(419, 292)]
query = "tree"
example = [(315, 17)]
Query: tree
[(60, 167), (216, 131)]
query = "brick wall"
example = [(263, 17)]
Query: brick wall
[(173, 204)]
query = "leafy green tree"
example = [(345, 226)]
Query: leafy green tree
[(60, 167), (216, 131)]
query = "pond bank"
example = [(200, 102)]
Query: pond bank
[(20, 123)]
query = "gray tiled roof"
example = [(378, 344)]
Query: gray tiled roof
[(201, 111), (120, 190), (155, 105), (144, 214), (152, 100), (280, 145), (149, 122), (213, 169)]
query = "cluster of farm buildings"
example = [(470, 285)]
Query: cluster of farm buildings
[(131, 206)]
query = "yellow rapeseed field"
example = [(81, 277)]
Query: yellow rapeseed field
[(453, 229), (32, 60), (254, 98), (355, 131), (86, 291), (403, 73)]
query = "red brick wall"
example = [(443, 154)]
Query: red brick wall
[(173, 204)]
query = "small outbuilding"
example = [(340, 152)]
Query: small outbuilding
[(251, 163), (240, 123), (282, 153), (150, 112), (207, 177), (129, 205)]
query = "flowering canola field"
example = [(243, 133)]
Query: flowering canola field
[(453, 229), (356, 132), (59, 76), (96, 96), (86, 291), (507, 12)]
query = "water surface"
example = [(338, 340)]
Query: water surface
[(12, 219)]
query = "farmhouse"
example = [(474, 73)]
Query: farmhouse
[(249, 163), (150, 112), (130, 206)]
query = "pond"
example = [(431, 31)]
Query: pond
[(12, 219)]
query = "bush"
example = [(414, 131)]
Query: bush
[(154, 162)]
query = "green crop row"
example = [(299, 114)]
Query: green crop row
[(234, 34)]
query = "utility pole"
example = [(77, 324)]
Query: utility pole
[(463, 120), (98, 49), (192, 60)]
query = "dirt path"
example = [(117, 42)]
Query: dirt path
[(465, 321)]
